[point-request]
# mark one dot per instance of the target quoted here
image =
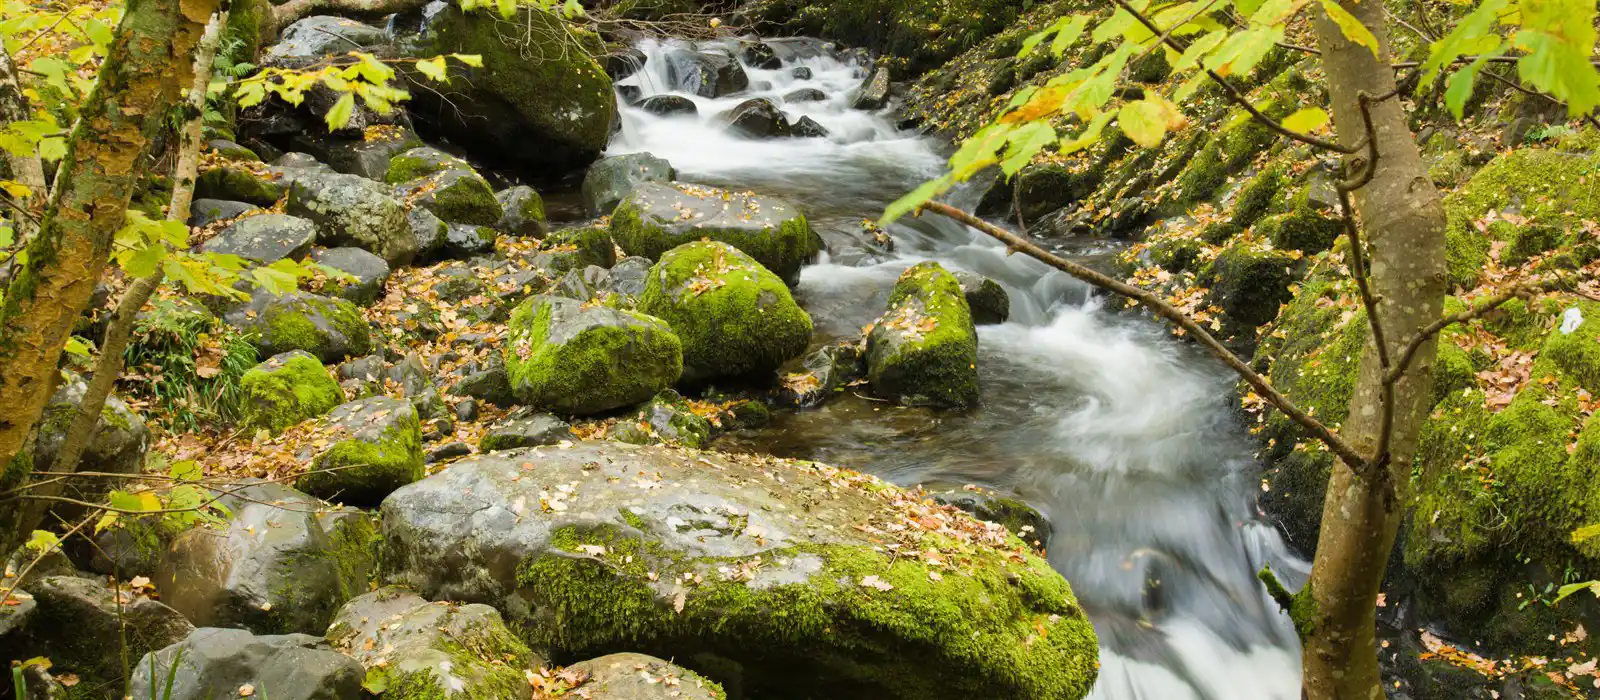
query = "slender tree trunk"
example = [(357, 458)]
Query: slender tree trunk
[(1402, 217), (28, 170), (149, 66)]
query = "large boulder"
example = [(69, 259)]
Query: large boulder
[(78, 616), (734, 317), (610, 180), (204, 212), (354, 211), (705, 73), (284, 562), (265, 238), (769, 571), (286, 389), (314, 38), (241, 181), (757, 118), (574, 358), (331, 329), (375, 447), (214, 664), (456, 196), (367, 155), (629, 676), (116, 445), (416, 649), (924, 350), (368, 272), (658, 217), (540, 100)]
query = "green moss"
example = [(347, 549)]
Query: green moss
[(1578, 353), (782, 248), (587, 245), (925, 350), (1175, 254), (365, 471), (239, 184), (1552, 191), (276, 397), (960, 634), (1249, 282), (733, 315), (602, 366), (292, 325), (463, 198), (420, 163), (1255, 199)]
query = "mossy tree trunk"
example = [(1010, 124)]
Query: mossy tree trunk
[(1403, 219), (148, 68)]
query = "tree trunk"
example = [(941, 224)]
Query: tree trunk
[(28, 170), (149, 66), (1403, 219)]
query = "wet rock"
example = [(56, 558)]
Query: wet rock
[(288, 388), (667, 420), (370, 273), (1249, 282), (330, 329), (285, 562), (924, 350), (314, 38), (529, 431), (806, 95), (806, 127), (602, 564), (240, 181), (539, 101), (629, 676), (376, 448), (1023, 520), (624, 62), (757, 118), (367, 155), (610, 180), (874, 93), (705, 73), (265, 238), (630, 95), (735, 318), (801, 73), (659, 217), (217, 663), (563, 356), (79, 620), (350, 210), (204, 212), (990, 303), (456, 196), (824, 371), (759, 55), (669, 105), (415, 648), (523, 212), (628, 277), (448, 451)]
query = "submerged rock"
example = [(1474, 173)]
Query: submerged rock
[(286, 389), (376, 447), (924, 350), (734, 317), (806, 95), (217, 663), (740, 562), (610, 180), (414, 648), (659, 217), (563, 355)]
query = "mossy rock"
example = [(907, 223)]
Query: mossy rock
[(734, 317), (610, 180), (667, 420), (1040, 190), (456, 196), (419, 163), (826, 612), (241, 182), (924, 350), (330, 329), (577, 248), (574, 358), (376, 447), (523, 212), (350, 210), (1255, 198), (1304, 230), (628, 676), (1250, 281), (287, 389), (1551, 191), (658, 217)]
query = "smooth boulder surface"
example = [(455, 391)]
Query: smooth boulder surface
[(705, 73), (370, 273), (286, 389), (414, 648), (757, 118), (924, 350), (203, 212), (734, 316), (331, 329), (375, 447), (568, 357), (729, 561), (539, 101), (221, 664), (658, 217), (610, 180), (77, 616), (265, 238), (628, 676), (522, 212), (668, 105), (350, 210), (285, 562)]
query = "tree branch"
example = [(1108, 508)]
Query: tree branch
[(1161, 308)]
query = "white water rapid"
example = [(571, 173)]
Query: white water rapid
[(1120, 435)]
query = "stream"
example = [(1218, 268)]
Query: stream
[(1121, 436)]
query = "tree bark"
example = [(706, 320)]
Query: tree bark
[(1403, 219), (149, 66), (25, 170)]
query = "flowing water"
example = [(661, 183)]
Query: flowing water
[(1122, 437)]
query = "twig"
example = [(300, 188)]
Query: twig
[(1484, 307), (1013, 242), (6, 594)]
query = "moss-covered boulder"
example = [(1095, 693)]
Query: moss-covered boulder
[(76, 619), (287, 389), (1548, 192), (734, 316), (375, 447), (354, 211), (116, 445), (522, 212), (658, 217), (924, 350), (540, 100), (284, 562), (1249, 280), (240, 181), (456, 196), (741, 562), (667, 420), (990, 302), (412, 648), (265, 238), (629, 676), (574, 358), (330, 329), (610, 180), (576, 248)]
